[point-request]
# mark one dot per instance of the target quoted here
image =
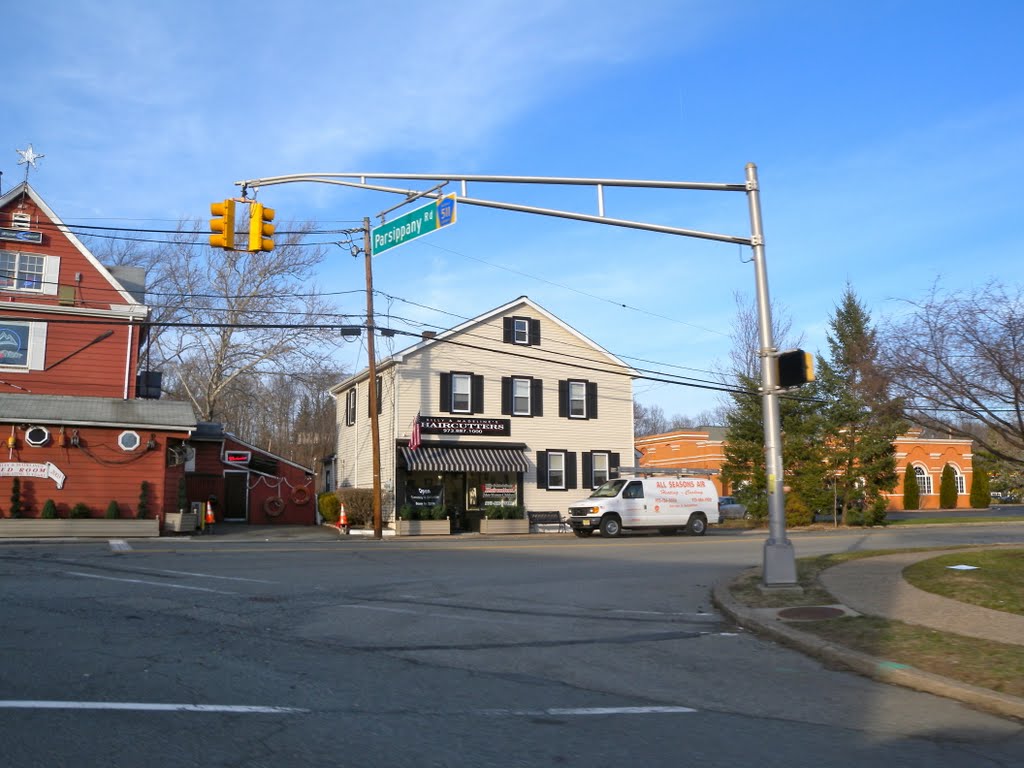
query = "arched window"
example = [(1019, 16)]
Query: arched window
[(924, 480), (958, 476)]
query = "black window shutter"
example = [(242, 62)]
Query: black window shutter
[(380, 396), (508, 330), (570, 470), (534, 332), (506, 395), (563, 399), (536, 397), (588, 470), (591, 399), (445, 406), (613, 466), (542, 469), (477, 390)]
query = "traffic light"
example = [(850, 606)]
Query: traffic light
[(796, 367), (223, 228), (260, 228)]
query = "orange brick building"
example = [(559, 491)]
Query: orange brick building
[(704, 448)]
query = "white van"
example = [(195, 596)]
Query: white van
[(668, 504)]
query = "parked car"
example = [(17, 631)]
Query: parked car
[(728, 507)]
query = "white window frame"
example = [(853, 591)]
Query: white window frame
[(350, 407), (579, 387), (38, 441), (596, 458), (462, 386), (924, 480), (129, 441), (47, 277), (556, 457), (520, 330), (958, 478), (36, 358), (521, 388)]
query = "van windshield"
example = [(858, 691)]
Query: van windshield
[(608, 490)]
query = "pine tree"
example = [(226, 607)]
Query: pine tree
[(861, 421), (947, 488), (911, 490)]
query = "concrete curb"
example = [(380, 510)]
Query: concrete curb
[(869, 666)]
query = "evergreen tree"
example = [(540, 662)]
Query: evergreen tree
[(947, 488), (911, 490), (861, 421), (980, 495)]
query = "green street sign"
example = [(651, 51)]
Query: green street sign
[(413, 224)]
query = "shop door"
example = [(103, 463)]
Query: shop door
[(235, 505)]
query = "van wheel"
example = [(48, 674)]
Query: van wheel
[(611, 526), (697, 525), (583, 532)]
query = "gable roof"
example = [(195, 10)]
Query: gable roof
[(25, 189), (443, 336)]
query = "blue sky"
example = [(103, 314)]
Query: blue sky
[(888, 138)]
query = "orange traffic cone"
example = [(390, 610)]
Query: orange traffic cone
[(342, 519), (209, 519)]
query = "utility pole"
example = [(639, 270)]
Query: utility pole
[(378, 526)]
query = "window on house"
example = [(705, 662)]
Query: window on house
[(461, 392), (129, 440), (521, 330), (577, 399), (380, 397), (350, 407), (959, 479), (23, 346), (522, 396), (924, 480), (556, 470), (22, 271), (599, 469)]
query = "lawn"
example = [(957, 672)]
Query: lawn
[(997, 582), (996, 666)]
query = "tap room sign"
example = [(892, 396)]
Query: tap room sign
[(453, 425)]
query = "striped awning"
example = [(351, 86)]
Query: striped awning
[(453, 459)]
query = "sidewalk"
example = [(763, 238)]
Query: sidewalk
[(875, 586)]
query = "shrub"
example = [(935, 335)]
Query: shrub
[(329, 506), (142, 511), (947, 488), (49, 510), (797, 512), (80, 511), (408, 512), (981, 497), (911, 490), (113, 512), (16, 497), (359, 505)]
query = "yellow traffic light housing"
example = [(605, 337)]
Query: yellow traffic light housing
[(260, 229), (796, 368), (223, 228)]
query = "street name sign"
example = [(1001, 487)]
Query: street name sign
[(416, 223)]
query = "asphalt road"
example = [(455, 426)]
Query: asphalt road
[(461, 651)]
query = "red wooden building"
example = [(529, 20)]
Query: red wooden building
[(80, 423)]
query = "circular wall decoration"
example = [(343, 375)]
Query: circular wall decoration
[(129, 440)]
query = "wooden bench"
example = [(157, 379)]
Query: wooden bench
[(548, 518)]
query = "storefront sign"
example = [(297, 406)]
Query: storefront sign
[(452, 425), (39, 471), (20, 235), (499, 495), (425, 498)]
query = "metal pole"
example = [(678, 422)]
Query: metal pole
[(378, 528), (779, 566)]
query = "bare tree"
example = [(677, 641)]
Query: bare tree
[(745, 354), (957, 359)]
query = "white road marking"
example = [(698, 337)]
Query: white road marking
[(120, 545), (433, 614), (591, 711), (145, 707), (151, 583), (208, 576)]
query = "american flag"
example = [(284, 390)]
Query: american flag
[(414, 441)]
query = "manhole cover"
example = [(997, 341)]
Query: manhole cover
[(811, 613)]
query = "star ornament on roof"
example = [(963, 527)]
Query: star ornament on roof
[(28, 158)]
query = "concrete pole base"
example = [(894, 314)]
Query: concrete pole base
[(779, 570)]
